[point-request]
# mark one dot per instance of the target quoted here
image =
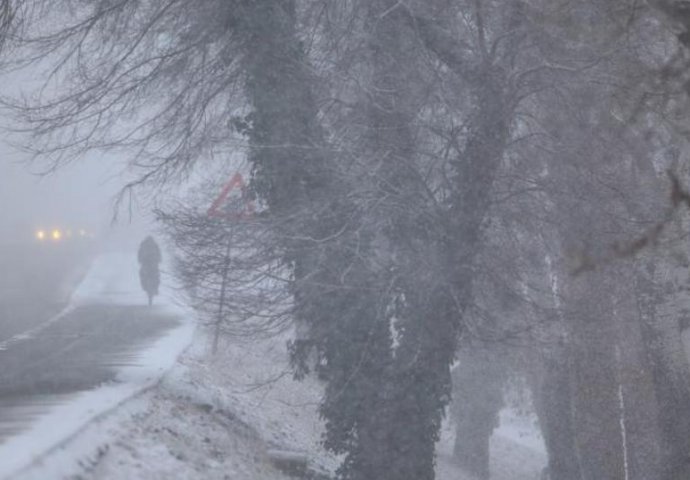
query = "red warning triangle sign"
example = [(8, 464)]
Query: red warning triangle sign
[(232, 206)]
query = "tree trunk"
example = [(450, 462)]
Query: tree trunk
[(477, 400), (553, 398), (595, 401), (668, 369)]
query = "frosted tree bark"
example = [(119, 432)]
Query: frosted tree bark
[(595, 387), (553, 396)]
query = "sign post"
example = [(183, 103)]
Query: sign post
[(232, 208)]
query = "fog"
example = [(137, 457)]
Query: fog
[(82, 195), (345, 240)]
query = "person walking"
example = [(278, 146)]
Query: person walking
[(149, 256)]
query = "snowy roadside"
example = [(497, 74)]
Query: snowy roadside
[(108, 281), (211, 417), (219, 417)]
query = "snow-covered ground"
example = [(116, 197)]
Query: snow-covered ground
[(112, 279), (517, 450), (210, 417), (217, 417)]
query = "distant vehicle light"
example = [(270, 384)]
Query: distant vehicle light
[(62, 233)]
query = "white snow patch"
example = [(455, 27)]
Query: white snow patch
[(516, 446), (112, 279), (521, 429)]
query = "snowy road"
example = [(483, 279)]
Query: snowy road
[(35, 281), (64, 362), (82, 350)]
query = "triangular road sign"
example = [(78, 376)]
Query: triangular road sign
[(234, 207)]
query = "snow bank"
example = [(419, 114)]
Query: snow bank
[(225, 416), (112, 279)]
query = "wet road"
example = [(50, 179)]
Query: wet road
[(79, 351), (48, 353), (35, 282)]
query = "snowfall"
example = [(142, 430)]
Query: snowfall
[(182, 412)]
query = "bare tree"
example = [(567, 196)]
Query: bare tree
[(6, 16)]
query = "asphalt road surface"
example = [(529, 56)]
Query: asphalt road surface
[(47, 357), (31, 282)]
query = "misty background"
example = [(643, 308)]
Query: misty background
[(80, 195)]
